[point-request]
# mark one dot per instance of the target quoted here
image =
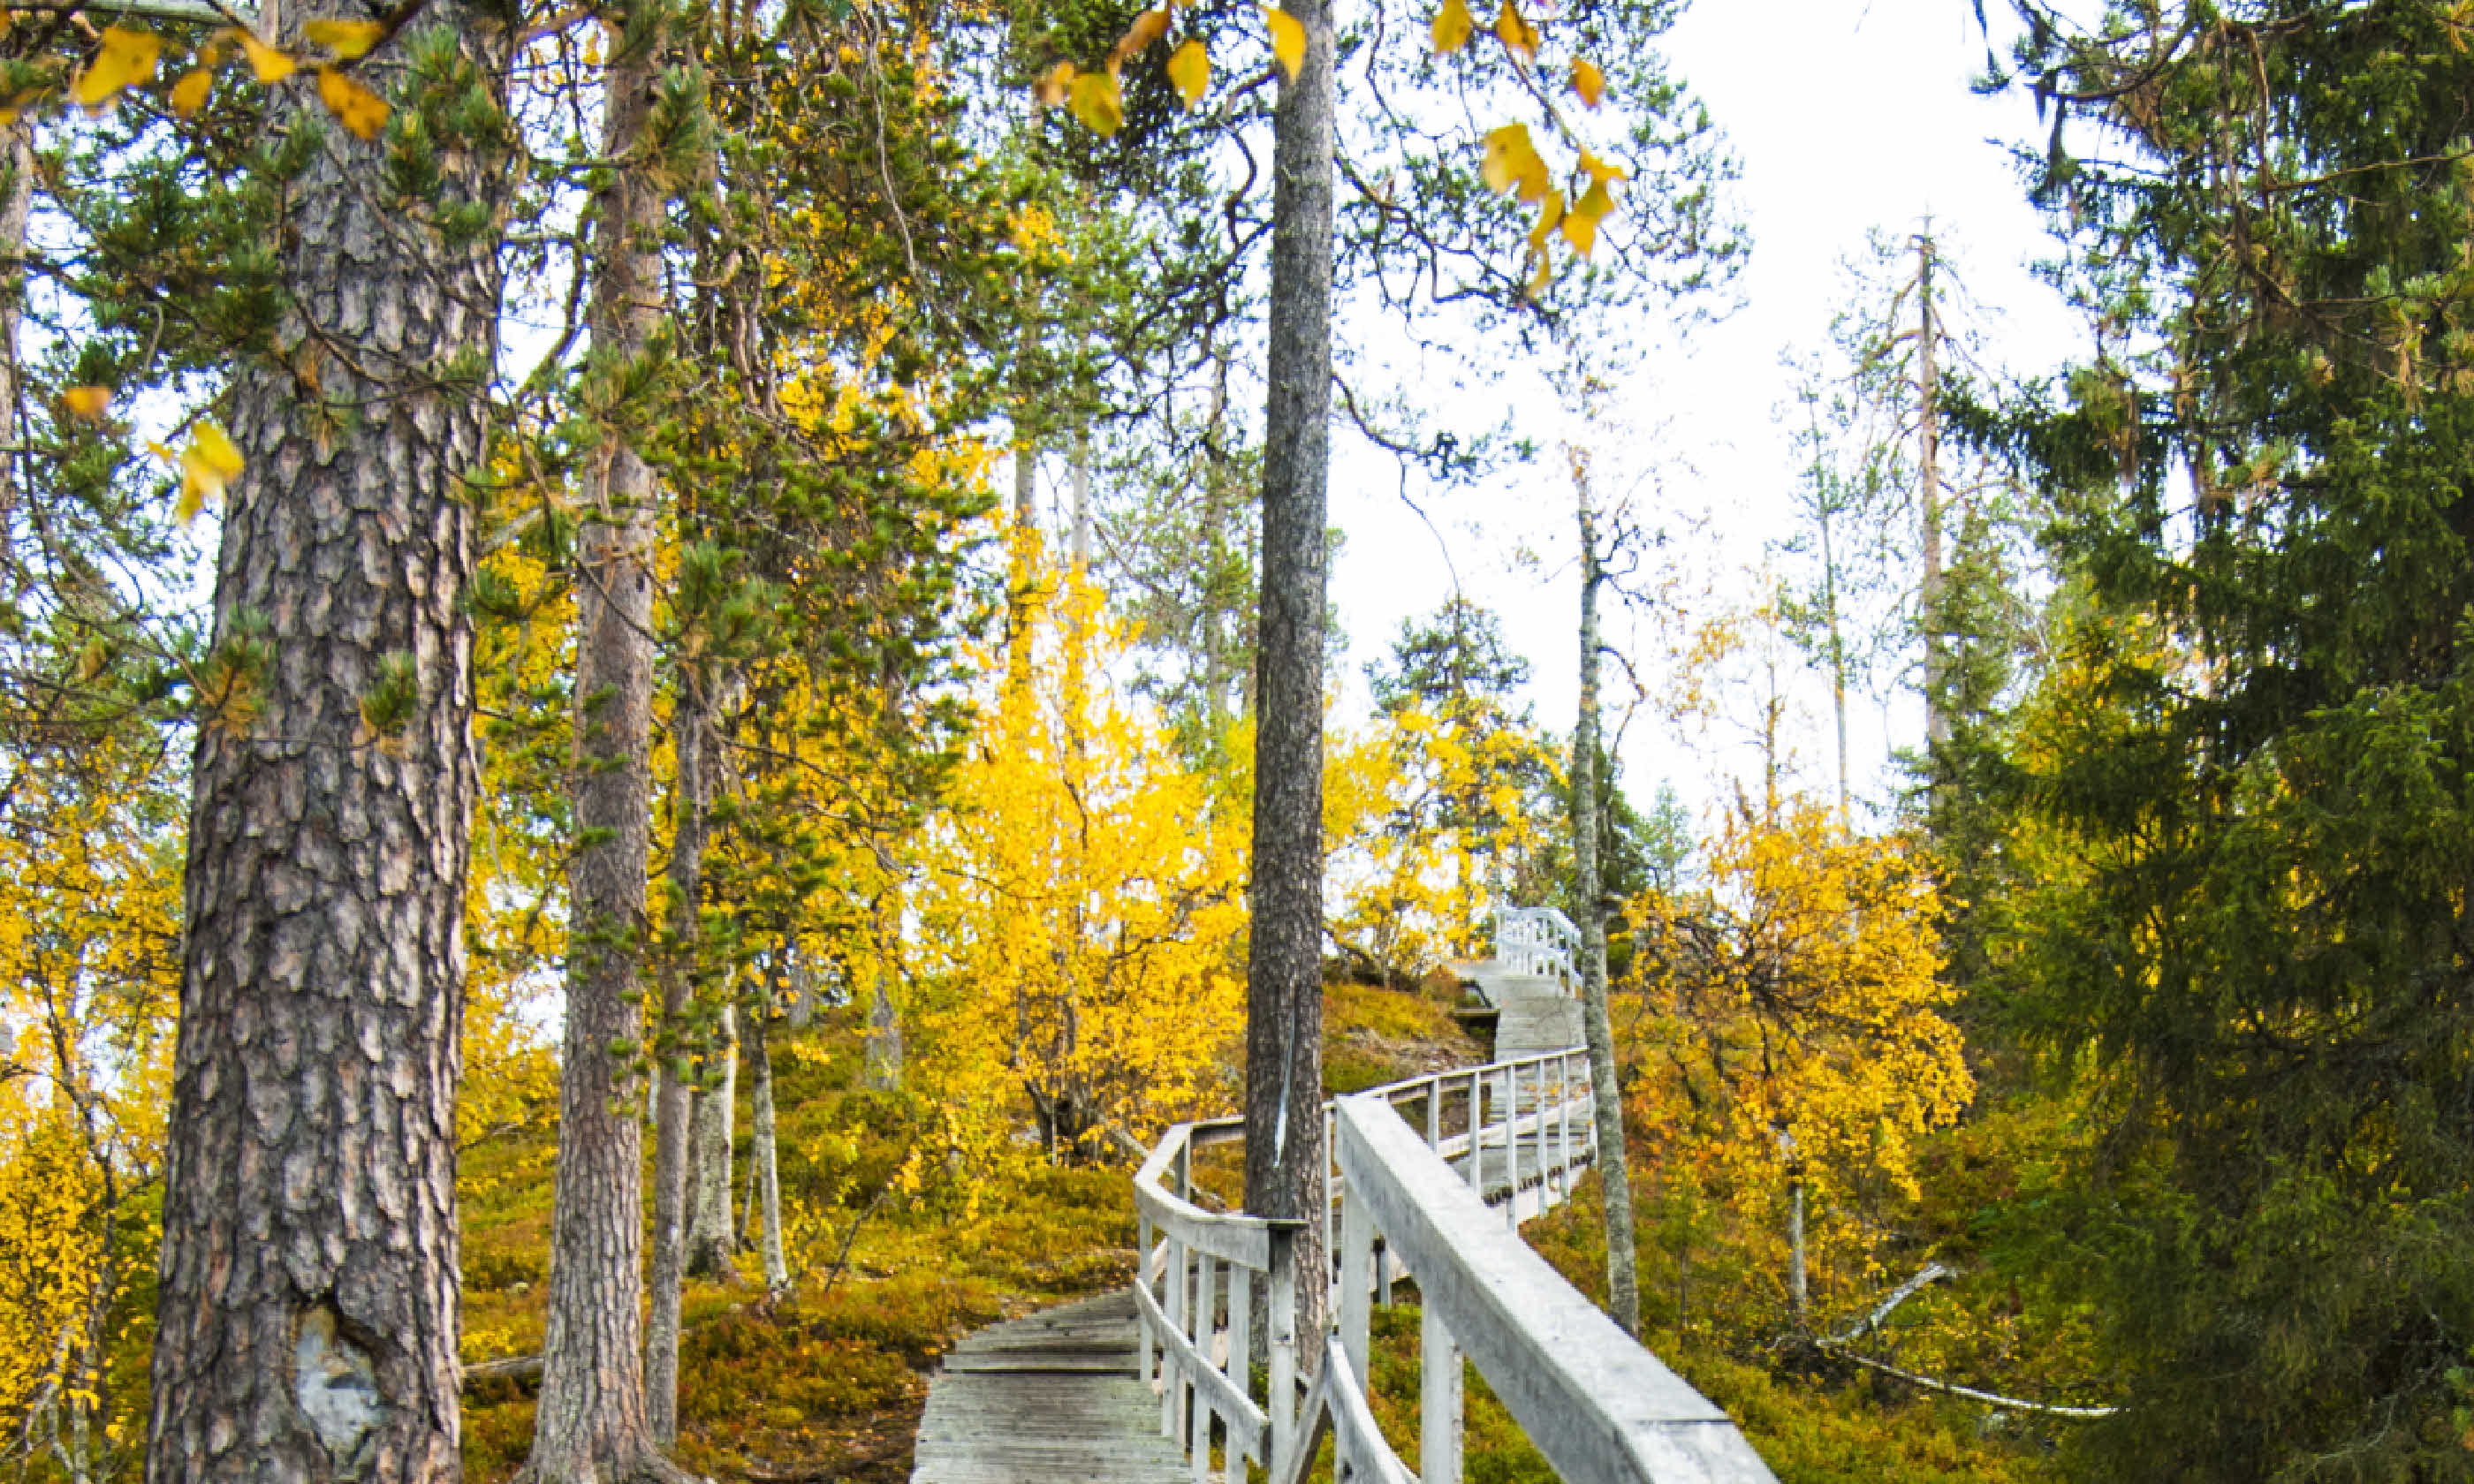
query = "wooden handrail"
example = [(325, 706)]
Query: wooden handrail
[(1599, 1406)]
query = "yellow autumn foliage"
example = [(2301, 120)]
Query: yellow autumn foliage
[(1789, 1026), (1077, 909), (89, 914), (1427, 823)]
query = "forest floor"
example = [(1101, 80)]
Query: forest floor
[(828, 1383)]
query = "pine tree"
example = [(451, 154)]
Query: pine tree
[(309, 1216)]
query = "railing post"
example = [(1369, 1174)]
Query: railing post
[(1282, 1316), (1240, 1368), (1439, 1402), (1511, 1148), (1477, 1136), (1198, 1412), (1142, 1279), (1172, 1384), (1356, 1250)]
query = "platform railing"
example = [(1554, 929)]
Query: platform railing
[(1539, 940)]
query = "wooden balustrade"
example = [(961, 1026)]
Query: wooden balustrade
[(1415, 1199), (1600, 1407), (1539, 940)]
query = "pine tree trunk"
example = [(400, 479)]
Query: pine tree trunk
[(1598, 1026), (593, 1422), (712, 1238), (1286, 1163), (764, 1155), (306, 1307), (1928, 592)]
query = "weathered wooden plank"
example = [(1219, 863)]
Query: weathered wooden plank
[(1045, 1399)]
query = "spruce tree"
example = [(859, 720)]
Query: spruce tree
[(2251, 761)]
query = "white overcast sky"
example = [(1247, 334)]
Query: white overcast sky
[(1845, 117)]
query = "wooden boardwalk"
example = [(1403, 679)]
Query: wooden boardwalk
[(1536, 1016), (1047, 1399)]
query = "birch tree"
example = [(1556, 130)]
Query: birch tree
[(1598, 1026)]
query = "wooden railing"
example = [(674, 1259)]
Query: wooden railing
[(1537, 940), (1440, 1200)]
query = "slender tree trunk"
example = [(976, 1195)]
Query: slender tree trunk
[(1286, 1163), (1796, 1286), (710, 1238), (1024, 566), (763, 1155), (307, 1306), (803, 991), (884, 1051), (17, 209), (1081, 503), (1837, 662), (1928, 592), (592, 1422), (1598, 1026), (691, 795)]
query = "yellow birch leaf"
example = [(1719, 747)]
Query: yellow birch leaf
[(1550, 213), (1452, 26), (1288, 39), (1600, 172), (1097, 104), (1148, 27), (1513, 164), (87, 402), (1189, 67), (126, 57), (1588, 81), (216, 448), (1513, 31), (1055, 84), (357, 108), (1581, 226), (270, 64), (207, 465), (345, 39), (189, 94)]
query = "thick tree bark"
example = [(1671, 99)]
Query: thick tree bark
[(712, 1236), (1598, 1026), (307, 1304), (592, 1424), (762, 1153), (1286, 1163)]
